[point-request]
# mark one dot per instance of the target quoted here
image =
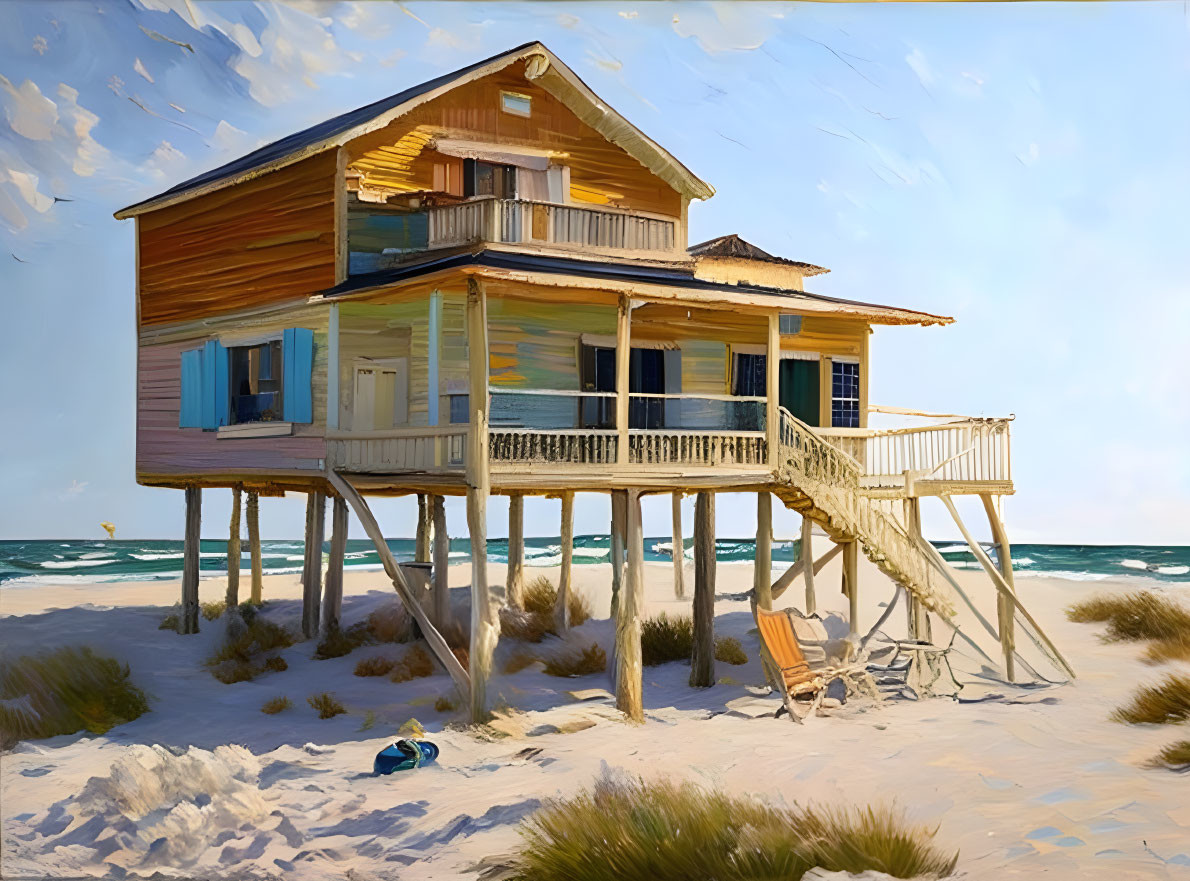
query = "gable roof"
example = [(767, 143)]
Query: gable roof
[(733, 246), (543, 67)]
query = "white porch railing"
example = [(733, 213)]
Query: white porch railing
[(520, 221), (437, 448), (573, 446)]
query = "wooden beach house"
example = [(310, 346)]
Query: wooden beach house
[(483, 285)]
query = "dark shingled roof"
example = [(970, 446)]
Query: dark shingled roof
[(734, 246), (317, 133)]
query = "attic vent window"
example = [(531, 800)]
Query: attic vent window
[(790, 324), (517, 105)]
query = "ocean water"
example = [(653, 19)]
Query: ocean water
[(55, 561)]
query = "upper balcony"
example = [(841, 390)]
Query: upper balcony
[(381, 237)]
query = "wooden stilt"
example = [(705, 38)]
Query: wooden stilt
[(807, 552), (702, 661), (629, 671), (312, 579), (485, 621), (253, 512), (515, 579), (233, 551), (1005, 604), (619, 509), (851, 586), (425, 528), (441, 599), (762, 574), (433, 638), (678, 548), (790, 575), (190, 559), (332, 606), (562, 602)]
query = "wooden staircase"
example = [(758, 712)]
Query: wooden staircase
[(822, 482)]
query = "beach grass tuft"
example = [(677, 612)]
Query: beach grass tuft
[(518, 661), (664, 638), (212, 611), (275, 664), (63, 691), (631, 830), (238, 658), (416, 664), (536, 620), (445, 704), (1176, 757), (524, 625), (378, 665), (729, 651), (275, 705), (1174, 648), (326, 704), (1161, 704), (390, 623), (576, 661), (1134, 616)]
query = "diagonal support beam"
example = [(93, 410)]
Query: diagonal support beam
[(433, 638), (790, 575)]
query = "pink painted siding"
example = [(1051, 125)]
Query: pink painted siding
[(162, 448)]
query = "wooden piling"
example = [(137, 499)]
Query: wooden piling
[(806, 552), (312, 575), (514, 582), (629, 670), (253, 514), (441, 591), (233, 551), (425, 526), (616, 554), (332, 606), (851, 586), (562, 601), (679, 548), (762, 575), (702, 660), (1005, 607), (190, 559)]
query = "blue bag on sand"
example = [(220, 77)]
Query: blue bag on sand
[(404, 755)]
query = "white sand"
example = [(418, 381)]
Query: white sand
[(1020, 789)]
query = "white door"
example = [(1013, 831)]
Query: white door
[(381, 395)]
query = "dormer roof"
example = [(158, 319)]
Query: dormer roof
[(542, 66), (735, 247)]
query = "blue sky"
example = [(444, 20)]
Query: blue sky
[(1021, 167)]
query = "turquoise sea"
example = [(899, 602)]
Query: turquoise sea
[(25, 563)]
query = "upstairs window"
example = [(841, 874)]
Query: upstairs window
[(844, 394), (515, 103), (789, 324), (488, 179), (255, 382)]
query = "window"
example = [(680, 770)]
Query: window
[(598, 375), (255, 382), (844, 394), (750, 379), (459, 414), (488, 179), (789, 324), (514, 103)]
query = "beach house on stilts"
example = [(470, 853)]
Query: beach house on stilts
[(483, 285)]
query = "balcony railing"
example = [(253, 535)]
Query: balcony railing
[(547, 223)]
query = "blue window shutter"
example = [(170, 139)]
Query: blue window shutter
[(297, 358), (190, 415), (214, 386)]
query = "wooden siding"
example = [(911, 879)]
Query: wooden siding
[(164, 449), (398, 156), (266, 241), (536, 344)]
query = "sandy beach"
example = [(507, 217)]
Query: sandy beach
[(1030, 783)]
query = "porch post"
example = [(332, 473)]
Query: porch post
[(233, 550), (515, 579), (441, 564), (253, 512), (806, 552), (762, 576), (623, 365), (312, 576), (629, 671), (190, 560), (485, 622), (772, 388), (333, 591), (679, 549), (702, 660), (562, 602)]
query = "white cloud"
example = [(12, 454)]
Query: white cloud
[(231, 139), (166, 162), (27, 186), (725, 27), (88, 153), (917, 61), (139, 67), (30, 113)]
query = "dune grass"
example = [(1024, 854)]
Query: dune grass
[(1134, 616), (275, 705), (729, 651), (214, 610), (576, 661), (1176, 757), (238, 658), (326, 704), (445, 704), (535, 621), (388, 624), (665, 831), (63, 691), (416, 664), (1166, 703), (518, 661), (1175, 648), (664, 639), (378, 665)]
